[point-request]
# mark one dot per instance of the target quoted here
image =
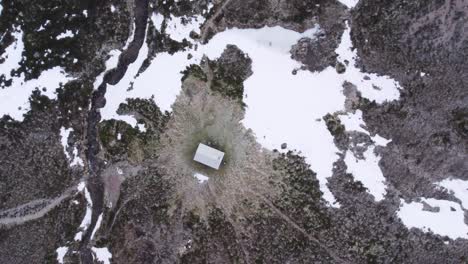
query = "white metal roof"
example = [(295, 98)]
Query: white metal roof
[(208, 156)]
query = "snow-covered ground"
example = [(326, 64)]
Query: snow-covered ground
[(75, 160), (449, 221), (15, 98), (459, 188), (102, 254), (368, 172), (89, 207), (67, 34), (111, 63)]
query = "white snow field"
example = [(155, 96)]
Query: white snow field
[(281, 107), (446, 222), (15, 98)]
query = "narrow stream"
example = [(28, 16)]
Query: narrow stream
[(95, 184)]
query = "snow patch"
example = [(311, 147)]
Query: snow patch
[(15, 98), (200, 177), (61, 252), (368, 172), (179, 28), (449, 221), (96, 227), (117, 94), (141, 127), (354, 122), (371, 85), (209, 7), (287, 114), (349, 3), (64, 134), (111, 63), (459, 188), (89, 207), (67, 34), (380, 141), (75, 160), (157, 20), (102, 254)]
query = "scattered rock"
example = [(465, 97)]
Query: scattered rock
[(340, 68), (434, 209)]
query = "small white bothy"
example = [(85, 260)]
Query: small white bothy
[(208, 156)]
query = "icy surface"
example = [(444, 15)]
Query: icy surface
[(446, 222), (15, 98), (459, 188), (102, 254), (281, 107), (368, 172)]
